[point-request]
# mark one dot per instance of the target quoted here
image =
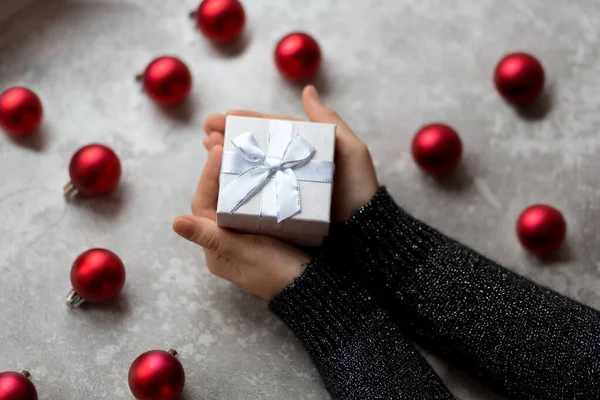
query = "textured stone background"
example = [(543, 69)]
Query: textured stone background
[(390, 66)]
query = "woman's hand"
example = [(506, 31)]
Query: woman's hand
[(258, 263), (355, 181), (261, 264)]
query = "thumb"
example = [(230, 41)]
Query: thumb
[(317, 111), (205, 232)]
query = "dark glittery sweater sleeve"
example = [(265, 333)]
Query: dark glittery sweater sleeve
[(359, 352), (526, 341)]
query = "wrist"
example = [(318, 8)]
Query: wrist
[(324, 309), (287, 277), (380, 233)]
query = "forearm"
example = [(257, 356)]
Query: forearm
[(523, 339), (358, 351)]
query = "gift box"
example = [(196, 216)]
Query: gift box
[(277, 178)]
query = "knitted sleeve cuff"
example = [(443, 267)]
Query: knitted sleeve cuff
[(381, 225), (324, 310)]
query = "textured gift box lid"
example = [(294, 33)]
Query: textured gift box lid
[(315, 196)]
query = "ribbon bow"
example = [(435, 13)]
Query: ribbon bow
[(288, 160)]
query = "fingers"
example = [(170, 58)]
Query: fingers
[(214, 123), (205, 233), (254, 114), (317, 111), (213, 139), (314, 107), (207, 191)]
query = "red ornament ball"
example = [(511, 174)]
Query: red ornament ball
[(298, 56), (437, 149), (221, 20), (156, 375), (97, 275), (95, 170), (20, 111), (16, 386), (167, 81), (519, 78), (541, 229)]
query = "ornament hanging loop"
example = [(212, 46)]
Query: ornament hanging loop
[(69, 189), (74, 300)]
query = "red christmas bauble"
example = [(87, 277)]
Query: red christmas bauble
[(156, 375), (167, 81), (20, 111), (437, 149), (541, 229), (221, 20), (16, 386), (94, 169), (97, 275), (298, 56), (519, 78)]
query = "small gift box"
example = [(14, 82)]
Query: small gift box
[(277, 178)]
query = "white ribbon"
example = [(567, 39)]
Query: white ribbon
[(288, 160)]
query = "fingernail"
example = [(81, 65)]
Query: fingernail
[(184, 228)]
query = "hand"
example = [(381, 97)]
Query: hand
[(355, 180), (258, 263)]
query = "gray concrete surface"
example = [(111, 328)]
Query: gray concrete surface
[(390, 66)]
